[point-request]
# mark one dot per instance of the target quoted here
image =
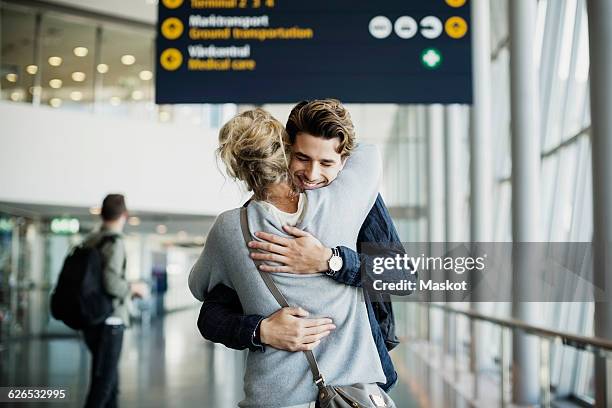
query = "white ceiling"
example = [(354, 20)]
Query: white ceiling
[(142, 10)]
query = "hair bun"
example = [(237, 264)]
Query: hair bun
[(254, 147)]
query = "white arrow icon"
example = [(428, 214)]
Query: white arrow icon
[(431, 27)]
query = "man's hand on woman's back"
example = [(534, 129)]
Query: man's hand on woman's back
[(301, 255), (290, 329)]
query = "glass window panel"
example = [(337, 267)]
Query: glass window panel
[(18, 67), (577, 199), (127, 74), (586, 118), (563, 199), (550, 83), (67, 63), (578, 95), (584, 385), (567, 39), (547, 184), (539, 33), (583, 218), (502, 221)]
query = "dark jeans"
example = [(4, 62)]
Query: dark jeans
[(104, 342)]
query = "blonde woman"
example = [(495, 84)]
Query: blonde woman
[(255, 149)]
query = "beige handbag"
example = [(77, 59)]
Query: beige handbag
[(330, 396)]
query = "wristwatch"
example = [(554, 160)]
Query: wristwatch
[(334, 264)]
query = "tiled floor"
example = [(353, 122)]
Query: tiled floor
[(166, 364)]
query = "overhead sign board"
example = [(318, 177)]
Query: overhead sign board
[(282, 51)]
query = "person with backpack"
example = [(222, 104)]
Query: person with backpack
[(103, 324)]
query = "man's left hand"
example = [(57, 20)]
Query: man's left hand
[(301, 255)]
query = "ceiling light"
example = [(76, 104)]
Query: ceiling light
[(55, 102), (78, 76), (164, 116), (55, 61), (134, 221), (161, 229), (137, 95), (16, 96), (76, 96), (145, 75), (80, 51), (95, 210), (11, 77), (128, 59), (55, 83), (32, 69), (102, 68), (115, 101)]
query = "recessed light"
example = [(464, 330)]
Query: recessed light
[(11, 77), (16, 96), (55, 61), (32, 69), (128, 59), (55, 83), (164, 116), (137, 95), (115, 101), (78, 76), (161, 229), (80, 51), (55, 102), (76, 96), (145, 75), (102, 68)]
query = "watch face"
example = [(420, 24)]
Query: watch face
[(335, 263)]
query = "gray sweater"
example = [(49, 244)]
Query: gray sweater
[(333, 214)]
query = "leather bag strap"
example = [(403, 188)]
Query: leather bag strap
[(317, 377)]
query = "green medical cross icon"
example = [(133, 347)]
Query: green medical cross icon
[(431, 58)]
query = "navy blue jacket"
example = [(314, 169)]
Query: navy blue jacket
[(222, 319)]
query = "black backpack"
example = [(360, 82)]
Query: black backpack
[(79, 299)]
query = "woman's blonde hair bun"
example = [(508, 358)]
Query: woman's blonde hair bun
[(254, 147)]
